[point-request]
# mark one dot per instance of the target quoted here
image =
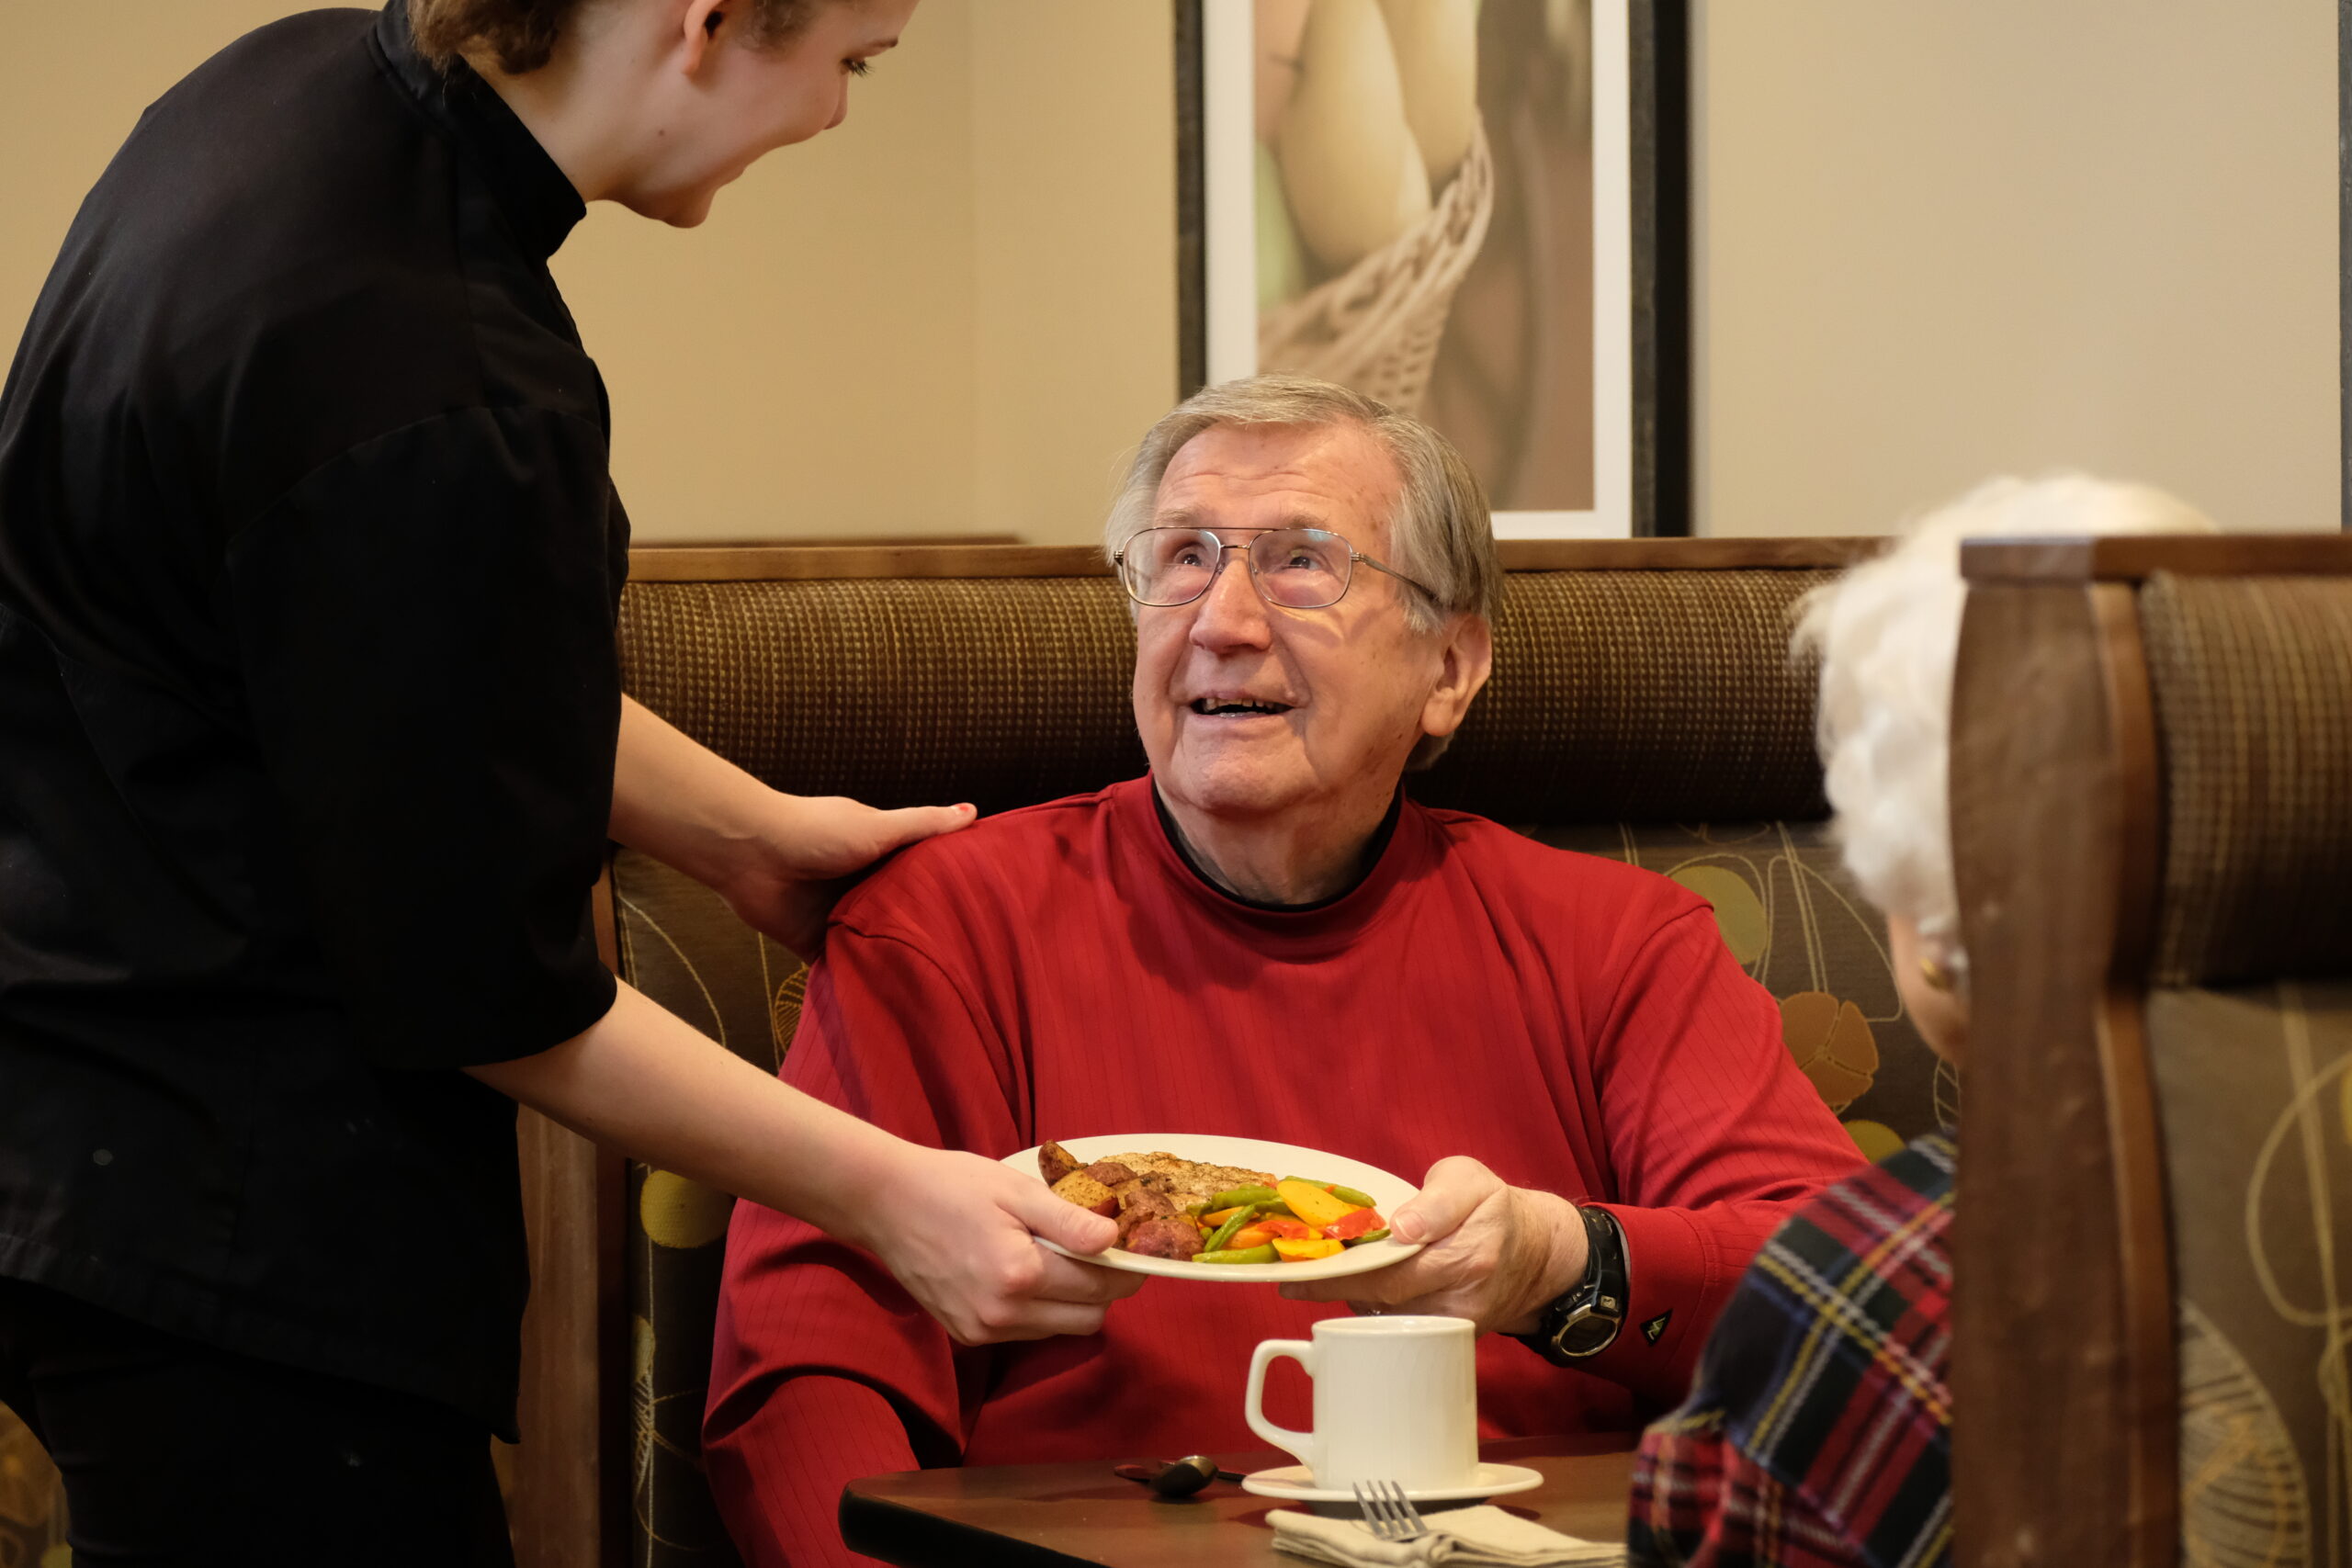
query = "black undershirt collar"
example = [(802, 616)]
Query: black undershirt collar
[(1372, 852)]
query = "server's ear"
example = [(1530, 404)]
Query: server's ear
[(699, 26)]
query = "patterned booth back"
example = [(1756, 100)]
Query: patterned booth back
[(1642, 707), (2151, 1354)]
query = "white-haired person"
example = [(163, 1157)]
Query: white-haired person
[(1818, 1429)]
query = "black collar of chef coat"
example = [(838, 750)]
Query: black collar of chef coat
[(533, 190)]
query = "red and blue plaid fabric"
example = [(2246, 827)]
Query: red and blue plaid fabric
[(1818, 1429)]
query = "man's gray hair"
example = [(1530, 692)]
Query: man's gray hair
[(1442, 536)]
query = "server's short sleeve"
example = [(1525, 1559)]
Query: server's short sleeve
[(426, 631)]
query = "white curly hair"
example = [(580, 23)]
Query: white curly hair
[(1887, 634)]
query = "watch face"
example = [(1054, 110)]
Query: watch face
[(1586, 1334)]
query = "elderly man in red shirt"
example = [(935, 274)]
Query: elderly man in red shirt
[(1265, 937)]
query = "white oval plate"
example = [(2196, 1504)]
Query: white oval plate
[(1295, 1483), (1252, 1154)]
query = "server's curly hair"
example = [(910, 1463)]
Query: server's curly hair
[(521, 34)]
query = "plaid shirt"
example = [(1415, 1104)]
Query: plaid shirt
[(1818, 1430)]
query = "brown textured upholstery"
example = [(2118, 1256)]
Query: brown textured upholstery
[(2253, 681), (680, 945), (1794, 920), (1647, 696), (1002, 691), (1628, 710), (2255, 1089)]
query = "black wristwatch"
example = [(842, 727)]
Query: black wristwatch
[(1585, 1321)]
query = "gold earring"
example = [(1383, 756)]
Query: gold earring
[(1939, 978)]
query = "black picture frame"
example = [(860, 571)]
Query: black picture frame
[(1658, 39), (2344, 258)]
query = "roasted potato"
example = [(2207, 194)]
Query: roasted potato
[(1140, 1202), (1169, 1236), (1110, 1173), (1088, 1193), (1053, 1162)]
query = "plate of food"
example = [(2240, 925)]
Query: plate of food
[(1196, 1206)]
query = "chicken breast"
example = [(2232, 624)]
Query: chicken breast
[(1191, 1181)]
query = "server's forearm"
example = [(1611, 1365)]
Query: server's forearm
[(955, 1229), (645, 1083)]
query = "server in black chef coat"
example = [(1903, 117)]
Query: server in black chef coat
[(311, 737)]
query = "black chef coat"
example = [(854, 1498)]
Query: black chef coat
[(308, 564)]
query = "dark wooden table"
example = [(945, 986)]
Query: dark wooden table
[(1080, 1515)]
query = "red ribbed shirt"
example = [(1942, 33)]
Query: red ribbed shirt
[(1061, 971)]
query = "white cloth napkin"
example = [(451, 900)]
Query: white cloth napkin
[(1484, 1537)]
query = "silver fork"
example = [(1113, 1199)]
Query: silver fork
[(1387, 1512)]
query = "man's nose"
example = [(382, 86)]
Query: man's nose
[(1230, 615)]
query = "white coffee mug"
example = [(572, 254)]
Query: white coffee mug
[(1396, 1399)]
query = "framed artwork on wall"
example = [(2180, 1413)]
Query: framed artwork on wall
[(1475, 210)]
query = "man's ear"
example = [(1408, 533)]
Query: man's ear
[(1465, 661), (699, 28)]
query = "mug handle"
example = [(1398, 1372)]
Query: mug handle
[(1300, 1446)]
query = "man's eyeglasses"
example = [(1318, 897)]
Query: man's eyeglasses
[(1294, 568)]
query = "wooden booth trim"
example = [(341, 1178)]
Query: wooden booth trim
[(837, 542), (2066, 1445), (2143, 1206), (562, 1511), (2128, 559), (814, 563)]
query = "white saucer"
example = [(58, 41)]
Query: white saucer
[(1295, 1484)]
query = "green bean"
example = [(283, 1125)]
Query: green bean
[(1246, 1255), (1225, 1232), (1240, 1195), (1381, 1235)]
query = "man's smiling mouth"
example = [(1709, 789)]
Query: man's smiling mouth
[(1218, 707)]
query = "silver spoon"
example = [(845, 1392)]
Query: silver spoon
[(1181, 1479)]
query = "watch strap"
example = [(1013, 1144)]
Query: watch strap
[(1586, 1320)]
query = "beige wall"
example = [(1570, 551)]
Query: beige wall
[(67, 100), (1936, 243), (955, 313)]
